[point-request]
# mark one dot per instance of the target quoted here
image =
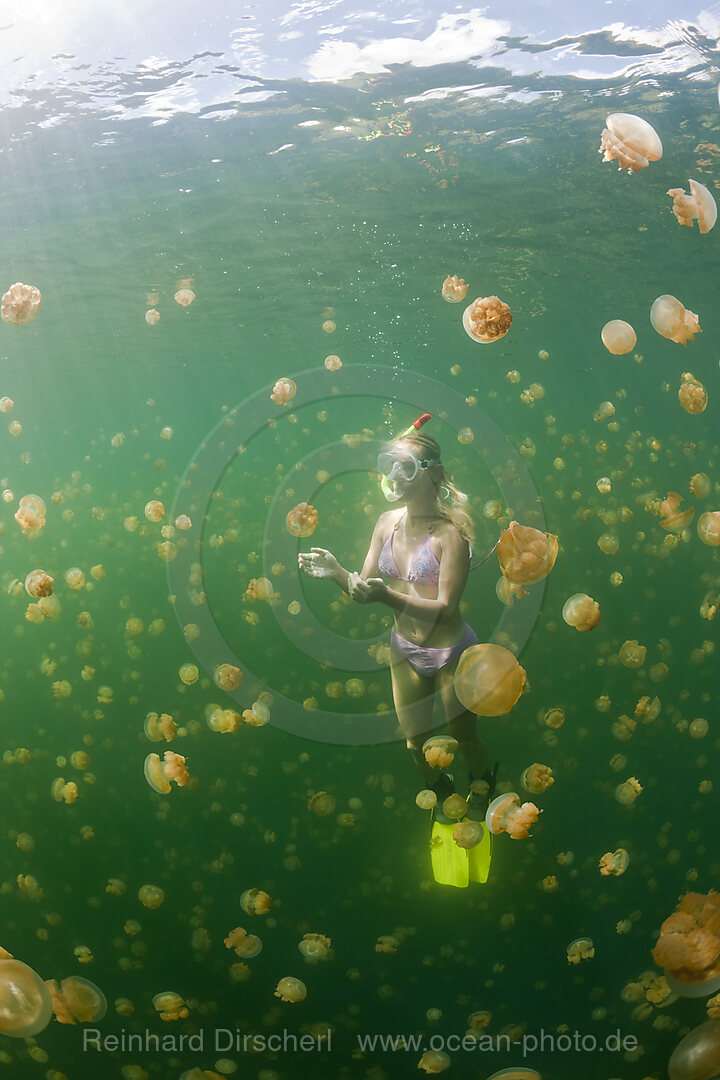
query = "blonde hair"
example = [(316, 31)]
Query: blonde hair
[(450, 503)]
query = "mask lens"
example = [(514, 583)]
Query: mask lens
[(397, 465)]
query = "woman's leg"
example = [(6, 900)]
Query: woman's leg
[(413, 697), (462, 725)]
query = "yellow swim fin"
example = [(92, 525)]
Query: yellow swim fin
[(450, 864), (480, 857)]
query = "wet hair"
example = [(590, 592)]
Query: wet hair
[(450, 503)]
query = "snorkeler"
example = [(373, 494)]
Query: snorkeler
[(422, 548)]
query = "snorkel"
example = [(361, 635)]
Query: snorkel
[(385, 484)]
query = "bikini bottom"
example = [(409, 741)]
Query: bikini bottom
[(427, 662)]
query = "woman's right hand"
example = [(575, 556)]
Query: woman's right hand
[(318, 563)]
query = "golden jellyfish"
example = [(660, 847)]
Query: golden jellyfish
[(698, 205), (243, 944), (227, 677), (30, 515), (647, 709), (388, 944), (519, 1072), (354, 688), (426, 799), (315, 948), (255, 902), (329, 326), (75, 578), (290, 989), (708, 528), (582, 612), (63, 791), (506, 814), (618, 337), (221, 720), (434, 1061), (581, 948), (697, 1056), (526, 555), (25, 1003), (689, 946), (189, 674), (154, 510), (159, 774), (151, 896), (259, 589), (468, 834), (627, 792), (439, 751), (152, 316), (170, 1006), (38, 583), (76, 1000), (20, 304), (632, 655), (160, 727), (455, 806), (614, 862), (692, 395), (184, 297), (183, 522), (258, 715), (537, 778), (673, 321), (488, 680), (333, 363), (301, 520), (6, 404), (283, 391), (631, 141), (700, 485), (454, 289), (322, 804), (672, 519), (487, 319)]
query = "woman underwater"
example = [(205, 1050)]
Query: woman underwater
[(417, 565)]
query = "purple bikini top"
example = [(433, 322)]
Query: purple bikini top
[(424, 568)]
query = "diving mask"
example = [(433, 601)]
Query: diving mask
[(402, 465)]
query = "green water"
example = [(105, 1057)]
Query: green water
[(512, 196)]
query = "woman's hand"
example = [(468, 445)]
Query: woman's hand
[(318, 563), (367, 591)]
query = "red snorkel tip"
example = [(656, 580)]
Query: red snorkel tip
[(421, 420)]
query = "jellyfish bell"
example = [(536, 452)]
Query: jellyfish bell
[(518, 1072), (76, 1000), (25, 1002), (290, 989), (581, 948), (184, 297), (632, 654), (455, 806), (697, 1056), (526, 555), (283, 391), (315, 947), (537, 778), (672, 519), (255, 902), (692, 395), (454, 289), (20, 304), (468, 834), (506, 814), (673, 321), (618, 337), (698, 205), (487, 319), (38, 583), (434, 1061), (439, 751), (426, 799), (582, 612), (631, 141), (488, 680), (614, 863), (301, 520), (708, 528)]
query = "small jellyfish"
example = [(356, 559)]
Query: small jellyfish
[(25, 1003), (692, 395), (322, 804), (455, 806), (439, 751), (632, 655), (75, 578), (698, 204), (580, 949), (154, 510), (673, 321), (258, 715), (627, 792), (630, 140), (506, 814), (526, 555), (160, 727), (184, 297), (672, 519), (255, 902), (700, 485), (488, 680), (189, 674), (454, 289), (159, 774), (6, 404), (301, 520), (614, 862), (183, 523), (333, 363), (537, 778), (20, 304), (64, 791), (487, 319), (582, 612), (315, 948), (434, 1061), (170, 1006), (152, 317), (76, 1000), (468, 834), (618, 337), (243, 944), (227, 676), (151, 896), (30, 515), (259, 589), (290, 989), (387, 944), (38, 583), (708, 528), (283, 391), (426, 799)]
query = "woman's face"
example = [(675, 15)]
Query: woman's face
[(422, 482)]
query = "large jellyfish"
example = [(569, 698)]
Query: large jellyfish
[(708, 528), (630, 140), (689, 946), (159, 773), (488, 680), (699, 204), (526, 555), (506, 814), (487, 319), (697, 1056), (25, 1003), (673, 321), (618, 337)]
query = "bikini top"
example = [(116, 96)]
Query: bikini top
[(423, 568)]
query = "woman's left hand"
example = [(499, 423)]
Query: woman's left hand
[(368, 591)]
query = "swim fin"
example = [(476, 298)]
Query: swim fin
[(480, 857), (450, 864)]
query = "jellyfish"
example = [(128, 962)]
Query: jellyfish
[(301, 520), (689, 946), (700, 485), (698, 204), (526, 555), (25, 1002), (692, 395), (259, 589), (582, 612), (487, 319), (708, 528), (221, 720), (159, 774), (258, 715), (488, 680), (75, 578), (76, 1000), (184, 297), (630, 140), (672, 519), (38, 583), (581, 948), (454, 289), (20, 304), (152, 316), (154, 510), (426, 799), (537, 778), (170, 1005), (183, 522), (468, 834), (63, 791), (333, 363), (632, 655), (434, 1061), (243, 944), (160, 727), (387, 943), (151, 896), (322, 804), (255, 902), (283, 391), (290, 989), (519, 1072), (673, 321), (618, 337), (455, 806), (6, 404), (506, 814), (30, 515), (315, 947), (227, 677), (439, 751), (627, 792), (647, 709), (614, 862), (697, 1056), (189, 674)]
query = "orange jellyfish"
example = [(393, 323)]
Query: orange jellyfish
[(439, 751), (699, 204), (672, 519), (290, 989), (76, 1000), (614, 862), (487, 319), (160, 727), (322, 804), (488, 680), (258, 715), (526, 555), (259, 589), (618, 337), (689, 946), (507, 814), (227, 676), (283, 391), (580, 949), (38, 583), (582, 612), (170, 1005), (700, 485), (537, 778), (632, 655), (20, 304), (434, 1061), (692, 395), (184, 297), (631, 141), (244, 944), (315, 947), (673, 321), (698, 1054), (30, 515), (159, 773), (468, 834), (255, 902), (154, 510), (627, 792), (454, 289), (333, 363), (301, 520), (25, 1003), (708, 528)]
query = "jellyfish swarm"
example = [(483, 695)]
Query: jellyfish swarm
[(698, 204), (582, 612), (673, 321), (20, 304), (488, 680), (25, 1003), (487, 319), (618, 337), (689, 946), (526, 555), (30, 515), (454, 289), (506, 814), (631, 141), (301, 520)]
